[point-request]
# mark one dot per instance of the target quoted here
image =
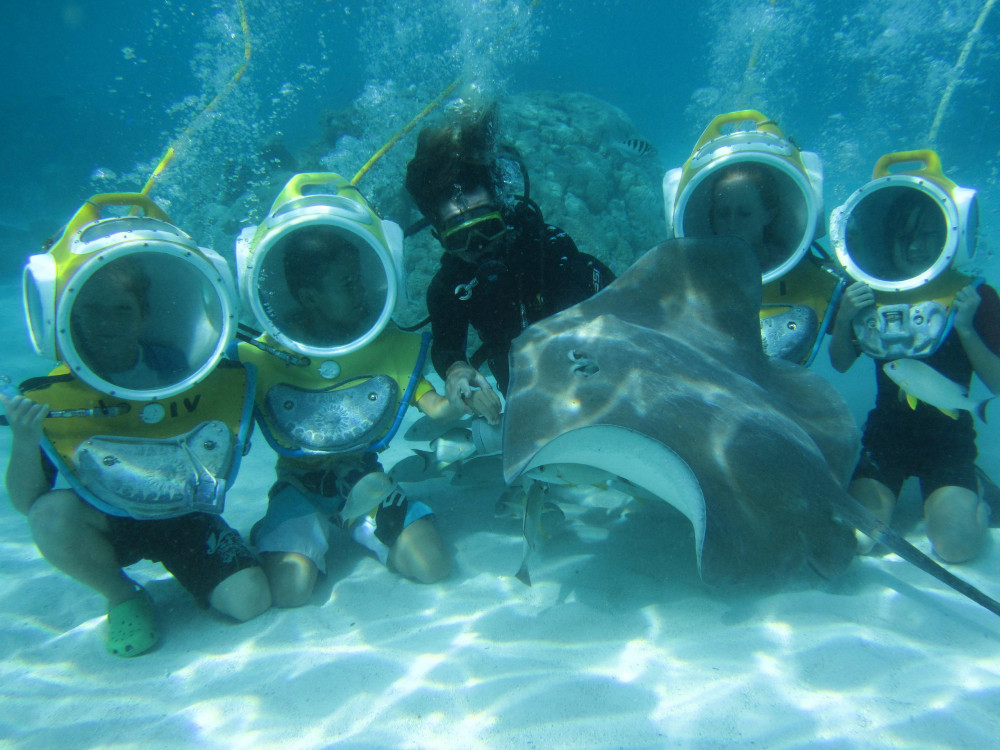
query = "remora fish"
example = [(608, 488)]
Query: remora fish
[(918, 381), (454, 446)]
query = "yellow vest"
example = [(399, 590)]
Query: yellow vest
[(346, 404), (149, 459)]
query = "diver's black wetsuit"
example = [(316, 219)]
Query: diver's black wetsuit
[(900, 442), (539, 272)]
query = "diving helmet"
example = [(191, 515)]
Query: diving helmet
[(130, 303), (322, 274), (907, 226), (743, 156)]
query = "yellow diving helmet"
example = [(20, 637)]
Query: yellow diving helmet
[(906, 234), (907, 226), (130, 303), (748, 146), (320, 216)]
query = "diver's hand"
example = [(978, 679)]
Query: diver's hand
[(466, 388), (858, 297), (25, 418), (966, 303)]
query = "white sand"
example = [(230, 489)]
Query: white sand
[(615, 645)]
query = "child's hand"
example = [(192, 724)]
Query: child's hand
[(858, 297), (25, 418), (965, 305)]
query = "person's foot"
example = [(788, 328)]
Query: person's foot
[(132, 626)]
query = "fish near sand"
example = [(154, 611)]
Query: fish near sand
[(661, 380), (453, 446), (918, 381)]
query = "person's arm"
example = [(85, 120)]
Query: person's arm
[(449, 326), (984, 361), (843, 350), (466, 390), (579, 276), (26, 479), (436, 406)]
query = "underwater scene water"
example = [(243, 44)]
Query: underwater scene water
[(600, 98)]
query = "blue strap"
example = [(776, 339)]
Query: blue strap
[(838, 292)]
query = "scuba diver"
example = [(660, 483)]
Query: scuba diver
[(745, 179), (503, 266), (929, 327), (142, 418), (335, 377)]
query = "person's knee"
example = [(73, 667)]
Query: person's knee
[(243, 595), (419, 554), (292, 578), (879, 500), (956, 521), (55, 519)]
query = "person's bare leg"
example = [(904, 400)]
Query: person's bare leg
[(419, 553), (877, 498), (956, 521), (292, 577), (73, 536), (242, 596)]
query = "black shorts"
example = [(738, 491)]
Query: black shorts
[(940, 452), (199, 549)]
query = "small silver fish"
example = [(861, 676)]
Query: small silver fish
[(532, 528), (103, 174), (512, 505), (918, 381), (369, 492), (454, 446)]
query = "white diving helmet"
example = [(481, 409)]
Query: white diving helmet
[(909, 201), (130, 303), (320, 216), (789, 181)]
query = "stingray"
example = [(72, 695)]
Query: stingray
[(659, 383)]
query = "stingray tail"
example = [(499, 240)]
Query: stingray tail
[(862, 519)]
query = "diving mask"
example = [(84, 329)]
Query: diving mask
[(471, 232)]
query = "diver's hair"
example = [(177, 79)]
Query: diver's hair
[(128, 274), (455, 156), (310, 253), (904, 214)]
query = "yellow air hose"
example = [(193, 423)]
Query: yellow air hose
[(956, 72)]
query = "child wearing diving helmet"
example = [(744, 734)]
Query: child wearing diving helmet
[(141, 420), (909, 306), (335, 376)]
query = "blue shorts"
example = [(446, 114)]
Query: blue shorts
[(303, 511)]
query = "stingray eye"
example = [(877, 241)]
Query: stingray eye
[(583, 365)]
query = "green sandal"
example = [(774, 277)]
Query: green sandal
[(132, 626)]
